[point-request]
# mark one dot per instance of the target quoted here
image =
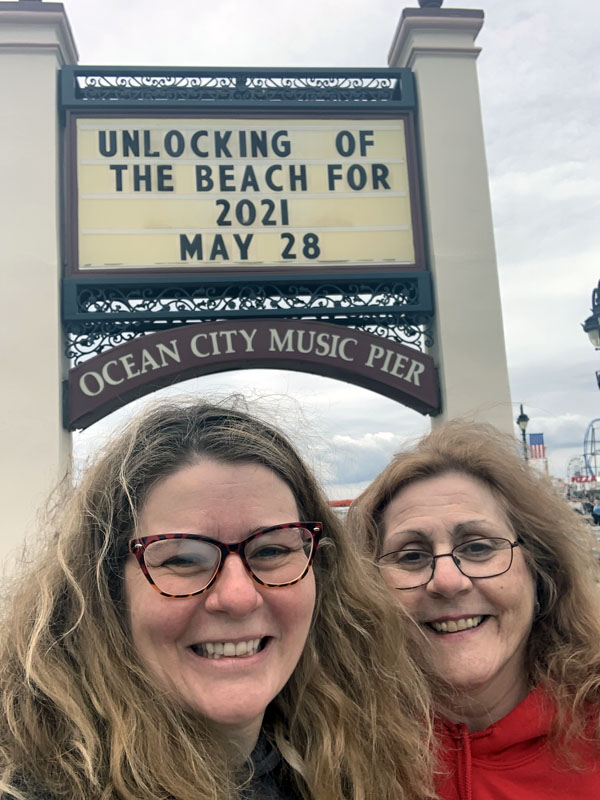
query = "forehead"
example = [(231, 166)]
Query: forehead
[(212, 496), (442, 502)]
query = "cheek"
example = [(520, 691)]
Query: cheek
[(515, 596), (153, 618), (387, 578), (155, 623), (523, 583), (410, 601), (294, 608), (307, 600)]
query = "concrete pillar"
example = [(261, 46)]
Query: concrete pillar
[(35, 40), (438, 46)]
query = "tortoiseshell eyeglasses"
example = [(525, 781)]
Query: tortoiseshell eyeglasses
[(186, 564)]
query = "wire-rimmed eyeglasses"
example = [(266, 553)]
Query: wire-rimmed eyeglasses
[(187, 564), (484, 557)]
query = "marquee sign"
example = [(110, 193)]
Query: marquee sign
[(106, 382), (183, 193), (222, 219)]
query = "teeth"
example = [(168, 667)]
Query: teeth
[(216, 650), (452, 626)]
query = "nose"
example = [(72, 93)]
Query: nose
[(447, 579), (234, 592)]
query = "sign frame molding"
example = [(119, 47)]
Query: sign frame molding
[(141, 92)]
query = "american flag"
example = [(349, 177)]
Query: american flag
[(537, 449)]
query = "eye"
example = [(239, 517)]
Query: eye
[(478, 549), (280, 544), (181, 555), (406, 559), (185, 560), (270, 551)]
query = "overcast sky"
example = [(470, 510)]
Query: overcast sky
[(540, 87)]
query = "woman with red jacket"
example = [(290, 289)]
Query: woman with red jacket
[(499, 577)]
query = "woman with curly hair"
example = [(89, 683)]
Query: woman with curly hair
[(195, 625), (498, 574)]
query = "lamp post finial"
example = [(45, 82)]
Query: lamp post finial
[(522, 421), (592, 324)]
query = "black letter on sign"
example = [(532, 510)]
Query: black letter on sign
[(131, 143), (142, 177), (249, 180), (148, 146), (281, 146), (219, 249), (297, 175), (111, 150), (380, 174), (221, 139), (243, 244), (269, 177), (118, 169), (204, 183), (344, 143), (164, 176), (193, 248), (194, 144), (333, 175), (174, 150), (258, 143), (357, 177), (226, 178), (365, 141)]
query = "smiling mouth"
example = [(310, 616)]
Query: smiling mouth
[(456, 625), (216, 650)]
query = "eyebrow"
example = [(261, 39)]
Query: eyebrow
[(460, 529), (474, 525)]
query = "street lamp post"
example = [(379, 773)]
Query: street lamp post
[(592, 324), (522, 421)]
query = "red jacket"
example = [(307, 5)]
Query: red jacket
[(511, 760)]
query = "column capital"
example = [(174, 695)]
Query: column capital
[(30, 25), (435, 31)]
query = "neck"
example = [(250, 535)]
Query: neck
[(240, 740), (480, 708)]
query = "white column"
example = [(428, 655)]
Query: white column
[(35, 40), (438, 46)]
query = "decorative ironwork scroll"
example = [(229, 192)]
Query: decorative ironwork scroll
[(170, 87), (99, 315)]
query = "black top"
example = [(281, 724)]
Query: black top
[(269, 780)]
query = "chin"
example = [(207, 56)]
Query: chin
[(463, 679), (230, 714)]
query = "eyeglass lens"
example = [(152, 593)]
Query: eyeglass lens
[(477, 558), (185, 566)]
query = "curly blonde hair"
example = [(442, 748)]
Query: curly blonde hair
[(80, 717), (563, 651)]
